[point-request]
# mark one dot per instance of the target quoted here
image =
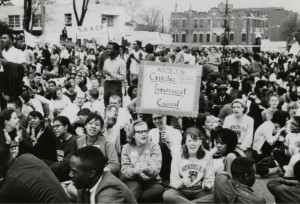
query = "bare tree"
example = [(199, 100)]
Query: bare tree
[(290, 26), (27, 14), (84, 9), (3, 2), (151, 19)]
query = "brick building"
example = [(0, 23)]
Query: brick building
[(246, 25)]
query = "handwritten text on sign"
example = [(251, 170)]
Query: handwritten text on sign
[(169, 89)]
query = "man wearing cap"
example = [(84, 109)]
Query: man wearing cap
[(221, 98), (240, 123)]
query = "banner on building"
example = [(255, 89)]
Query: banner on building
[(169, 89), (32, 41)]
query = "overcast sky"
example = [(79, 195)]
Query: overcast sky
[(204, 5)]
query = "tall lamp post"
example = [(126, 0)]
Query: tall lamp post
[(226, 27)]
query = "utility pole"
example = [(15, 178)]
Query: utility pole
[(162, 24), (226, 27)]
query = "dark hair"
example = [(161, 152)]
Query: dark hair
[(17, 102), (228, 137), (4, 116), (53, 82), (96, 117), (94, 93), (200, 121), (38, 115), (240, 166), (92, 157), (297, 170), (256, 57), (149, 48), (139, 43), (235, 84), (68, 85), (54, 92), (84, 112), (280, 117), (65, 122), (9, 33), (37, 74), (196, 134)]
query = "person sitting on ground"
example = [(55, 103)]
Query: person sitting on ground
[(94, 184), (267, 114), (27, 179), (286, 191), (192, 174), (237, 188), (141, 163), (226, 144)]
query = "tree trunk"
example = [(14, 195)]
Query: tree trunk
[(85, 4), (27, 14)]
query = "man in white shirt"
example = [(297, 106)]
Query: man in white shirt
[(169, 140), (94, 104), (71, 111), (135, 58), (9, 52)]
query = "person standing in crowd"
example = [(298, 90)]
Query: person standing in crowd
[(134, 60), (141, 164), (241, 124), (192, 173), (94, 184), (93, 128), (237, 188), (65, 145), (115, 71), (286, 191), (169, 140), (22, 183)]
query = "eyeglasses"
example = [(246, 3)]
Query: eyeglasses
[(56, 126), (141, 131)]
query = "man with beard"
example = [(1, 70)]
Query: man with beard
[(112, 131), (115, 71), (238, 188)]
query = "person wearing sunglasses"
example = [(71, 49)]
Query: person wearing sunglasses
[(140, 165)]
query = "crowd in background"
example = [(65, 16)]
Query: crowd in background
[(72, 98)]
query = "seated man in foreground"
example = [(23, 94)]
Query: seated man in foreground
[(238, 188)]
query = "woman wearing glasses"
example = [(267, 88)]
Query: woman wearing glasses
[(141, 164), (65, 145), (93, 129), (192, 174)]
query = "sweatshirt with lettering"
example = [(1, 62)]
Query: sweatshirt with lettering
[(199, 171), (243, 128)]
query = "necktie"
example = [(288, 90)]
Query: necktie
[(87, 196)]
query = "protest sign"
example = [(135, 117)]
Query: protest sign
[(295, 48), (91, 31), (169, 89)]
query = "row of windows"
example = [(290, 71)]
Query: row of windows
[(184, 23), (200, 37), (15, 22), (106, 19)]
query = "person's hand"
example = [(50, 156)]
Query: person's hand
[(281, 138), (106, 169), (19, 137), (137, 171), (7, 137), (144, 177), (146, 170), (106, 73), (186, 181)]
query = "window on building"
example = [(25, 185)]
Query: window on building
[(176, 37), (68, 19), (200, 37), (208, 37), (218, 39), (195, 23), (14, 21), (109, 20), (201, 23), (37, 20), (231, 37), (244, 37), (183, 37), (208, 23), (173, 36), (195, 37), (183, 23)]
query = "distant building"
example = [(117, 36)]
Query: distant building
[(246, 25), (59, 16)]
